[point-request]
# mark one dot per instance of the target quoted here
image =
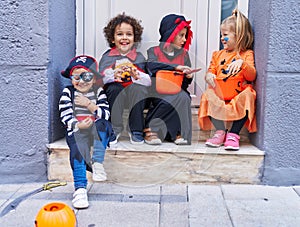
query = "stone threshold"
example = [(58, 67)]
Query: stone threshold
[(197, 147)]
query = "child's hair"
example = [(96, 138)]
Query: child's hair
[(240, 25), (170, 26), (109, 30)]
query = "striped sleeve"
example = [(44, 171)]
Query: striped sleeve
[(66, 111), (103, 106)]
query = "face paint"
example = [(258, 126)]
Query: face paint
[(226, 39)]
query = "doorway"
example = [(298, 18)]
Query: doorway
[(92, 16)]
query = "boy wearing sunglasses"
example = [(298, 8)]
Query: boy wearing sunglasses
[(84, 111)]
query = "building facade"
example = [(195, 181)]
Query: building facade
[(35, 47)]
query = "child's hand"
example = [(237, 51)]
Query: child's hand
[(184, 69), (210, 79), (188, 71), (134, 73), (86, 123), (118, 75), (235, 66), (81, 100)]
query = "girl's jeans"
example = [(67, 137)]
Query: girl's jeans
[(80, 146)]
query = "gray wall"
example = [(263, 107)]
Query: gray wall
[(24, 90), (37, 39), (62, 45), (277, 55)]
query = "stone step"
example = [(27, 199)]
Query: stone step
[(145, 164), (140, 165)]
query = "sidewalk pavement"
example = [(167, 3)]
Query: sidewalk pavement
[(163, 205)]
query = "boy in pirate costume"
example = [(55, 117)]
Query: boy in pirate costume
[(84, 111)]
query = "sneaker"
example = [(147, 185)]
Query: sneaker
[(153, 141), (217, 140), (151, 138), (80, 199), (180, 141), (232, 142), (136, 138), (99, 173), (114, 138)]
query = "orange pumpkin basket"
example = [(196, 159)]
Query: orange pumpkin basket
[(168, 82), (227, 88), (56, 214)]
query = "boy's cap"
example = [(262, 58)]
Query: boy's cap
[(82, 61), (170, 25)]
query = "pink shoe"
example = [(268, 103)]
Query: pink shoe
[(232, 141), (217, 140)]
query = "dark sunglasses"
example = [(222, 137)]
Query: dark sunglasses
[(85, 76)]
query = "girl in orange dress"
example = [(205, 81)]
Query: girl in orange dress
[(234, 63)]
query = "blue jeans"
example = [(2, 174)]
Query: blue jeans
[(80, 145), (100, 147)]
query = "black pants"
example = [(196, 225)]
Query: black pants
[(170, 115), (236, 125), (131, 97)]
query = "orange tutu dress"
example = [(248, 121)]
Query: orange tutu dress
[(235, 109)]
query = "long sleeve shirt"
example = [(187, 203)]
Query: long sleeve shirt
[(221, 59), (69, 113), (107, 65)]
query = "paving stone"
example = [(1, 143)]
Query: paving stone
[(258, 192), (207, 207), (257, 205), (263, 213), (10, 187), (174, 214), (174, 210), (174, 189), (297, 189), (109, 188), (119, 214)]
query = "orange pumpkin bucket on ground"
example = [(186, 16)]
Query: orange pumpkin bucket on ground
[(227, 88), (168, 82), (55, 215)]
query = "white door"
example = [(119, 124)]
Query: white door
[(93, 15)]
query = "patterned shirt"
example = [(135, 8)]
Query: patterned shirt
[(69, 113)]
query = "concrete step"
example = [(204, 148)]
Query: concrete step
[(140, 165)]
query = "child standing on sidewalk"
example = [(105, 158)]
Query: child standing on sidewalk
[(235, 61), (84, 111), (124, 77)]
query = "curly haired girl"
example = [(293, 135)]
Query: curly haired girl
[(124, 77)]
